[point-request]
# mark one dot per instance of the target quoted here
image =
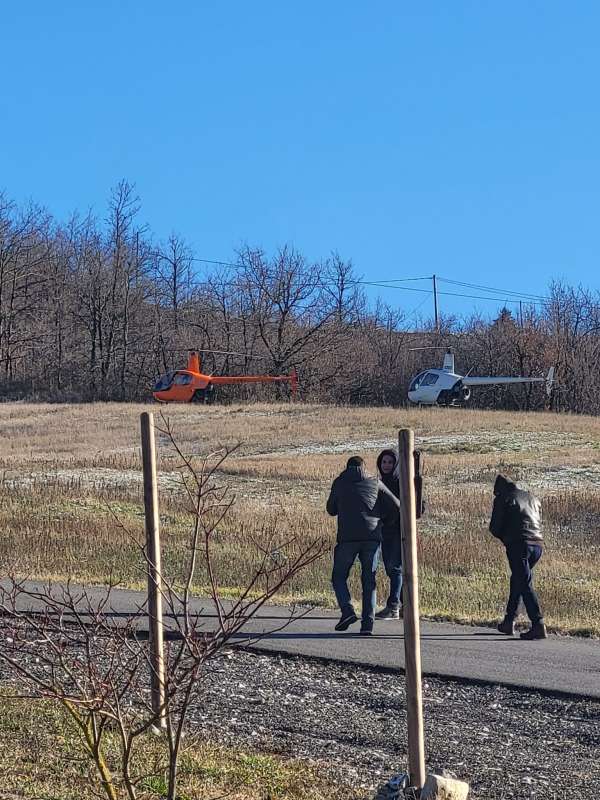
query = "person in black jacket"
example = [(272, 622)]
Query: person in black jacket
[(359, 502), (517, 522), (391, 542)]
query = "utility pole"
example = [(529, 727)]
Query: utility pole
[(521, 313), (435, 305)]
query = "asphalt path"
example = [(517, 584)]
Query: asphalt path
[(559, 664)]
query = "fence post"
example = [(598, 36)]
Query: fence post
[(155, 619), (412, 637)]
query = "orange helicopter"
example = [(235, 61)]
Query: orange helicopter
[(190, 385)]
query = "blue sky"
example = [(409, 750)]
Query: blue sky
[(457, 138)]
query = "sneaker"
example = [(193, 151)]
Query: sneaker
[(388, 613), (507, 627), (366, 630), (345, 621), (537, 631)]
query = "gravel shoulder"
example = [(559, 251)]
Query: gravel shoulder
[(351, 721)]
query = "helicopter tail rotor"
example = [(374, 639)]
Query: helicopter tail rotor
[(193, 361), (448, 365), (549, 381), (294, 382)]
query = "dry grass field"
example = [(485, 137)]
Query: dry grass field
[(32, 764), (67, 470)]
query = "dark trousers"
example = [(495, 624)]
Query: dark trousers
[(522, 558), (344, 556), (391, 551)]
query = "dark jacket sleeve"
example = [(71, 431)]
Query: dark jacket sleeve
[(388, 502), (332, 506), (497, 520)]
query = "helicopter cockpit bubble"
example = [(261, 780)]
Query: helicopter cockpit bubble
[(182, 379), (163, 383), (416, 382)]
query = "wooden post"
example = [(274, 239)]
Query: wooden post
[(412, 637), (155, 620)]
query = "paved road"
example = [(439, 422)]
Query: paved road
[(558, 664)]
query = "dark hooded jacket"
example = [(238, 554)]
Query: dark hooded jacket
[(360, 503), (516, 515), (391, 480)]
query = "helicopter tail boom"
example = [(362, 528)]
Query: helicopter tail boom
[(490, 380)]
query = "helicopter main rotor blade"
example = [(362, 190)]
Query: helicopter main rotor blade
[(220, 352), (429, 347), (235, 353)]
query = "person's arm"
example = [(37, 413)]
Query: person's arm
[(497, 520), (332, 506), (388, 501)]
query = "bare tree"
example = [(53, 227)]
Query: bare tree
[(174, 276), (294, 314), (23, 251), (92, 309), (62, 643), (343, 287)]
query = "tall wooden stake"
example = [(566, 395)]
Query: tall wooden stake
[(155, 619), (412, 636)]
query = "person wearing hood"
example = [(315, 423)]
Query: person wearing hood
[(391, 542), (359, 503), (517, 522)]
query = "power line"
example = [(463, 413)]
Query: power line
[(413, 313), (402, 280), (233, 265), (387, 285), (500, 295), (385, 282), (520, 295), (494, 299), (219, 263)]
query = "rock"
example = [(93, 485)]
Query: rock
[(385, 793), (442, 788)]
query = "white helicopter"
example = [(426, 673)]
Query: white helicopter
[(443, 387)]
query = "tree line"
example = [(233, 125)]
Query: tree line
[(97, 309)]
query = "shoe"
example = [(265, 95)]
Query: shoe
[(537, 631), (345, 621), (366, 630), (507, 627), (388, 613)]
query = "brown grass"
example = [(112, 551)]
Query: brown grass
[(41, 757), (63, 466)]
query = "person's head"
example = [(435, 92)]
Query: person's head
[(387, 461), (356, 462), (501, 485)]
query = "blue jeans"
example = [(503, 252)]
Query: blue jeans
[(391, 549), (522, 558), (344, 556)]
